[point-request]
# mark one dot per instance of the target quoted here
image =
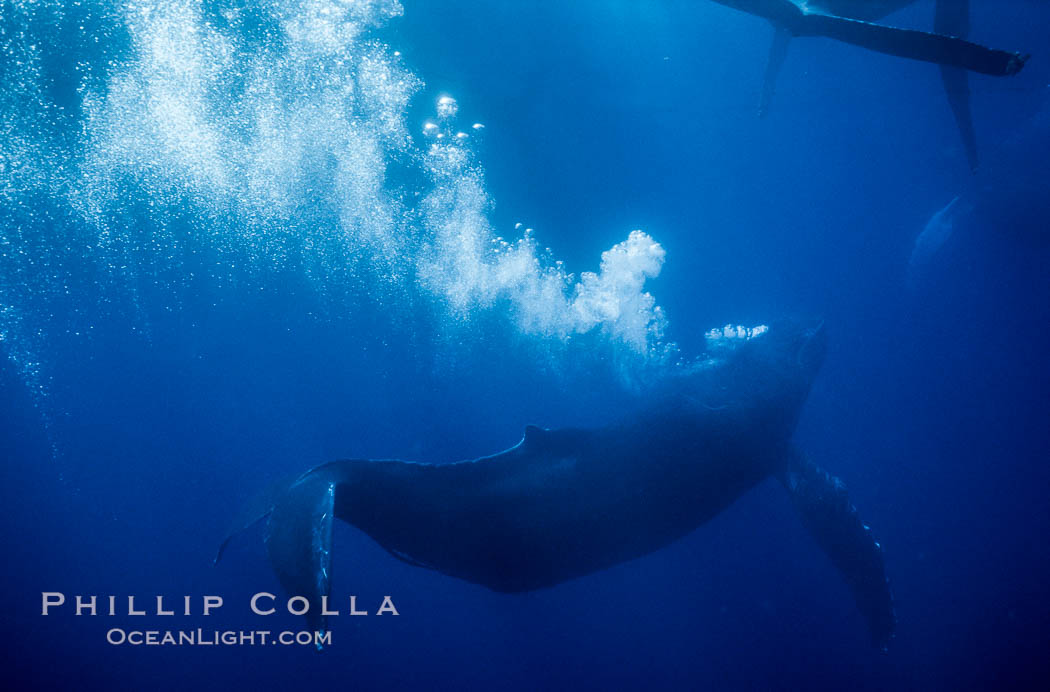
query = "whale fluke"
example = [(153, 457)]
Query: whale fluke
[(299, 542), (256, 509)]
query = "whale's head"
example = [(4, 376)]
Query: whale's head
[(789, 344), (767, 370), (794, 349)]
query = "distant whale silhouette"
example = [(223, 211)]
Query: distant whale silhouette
[(852, 21), (565, 503), (1006, 199), (934, 235)]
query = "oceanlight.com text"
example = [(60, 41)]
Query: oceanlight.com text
[(201, 637)]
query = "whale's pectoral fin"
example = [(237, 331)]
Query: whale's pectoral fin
[(830, 517), (953, 19), (957, 88), (299, 541), (910, 43), (777, 54)]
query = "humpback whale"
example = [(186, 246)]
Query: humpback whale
[(564, 503), (935, 234), (1007, 194), (853, 21)]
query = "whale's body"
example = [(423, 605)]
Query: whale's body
[(558, 505), (565, 503)]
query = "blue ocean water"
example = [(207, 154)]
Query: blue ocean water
[(241, 239)]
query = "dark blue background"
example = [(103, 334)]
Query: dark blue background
[(600, 117)]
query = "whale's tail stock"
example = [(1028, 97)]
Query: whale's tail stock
[(827, 513)]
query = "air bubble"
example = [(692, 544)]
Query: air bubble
[(447, 107)]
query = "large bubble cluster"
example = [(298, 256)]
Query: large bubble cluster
[(467, 264), (247, 141)]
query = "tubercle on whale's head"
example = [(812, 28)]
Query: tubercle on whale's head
[(797, 346), (812, 347), (778, 364), (763, 371)]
